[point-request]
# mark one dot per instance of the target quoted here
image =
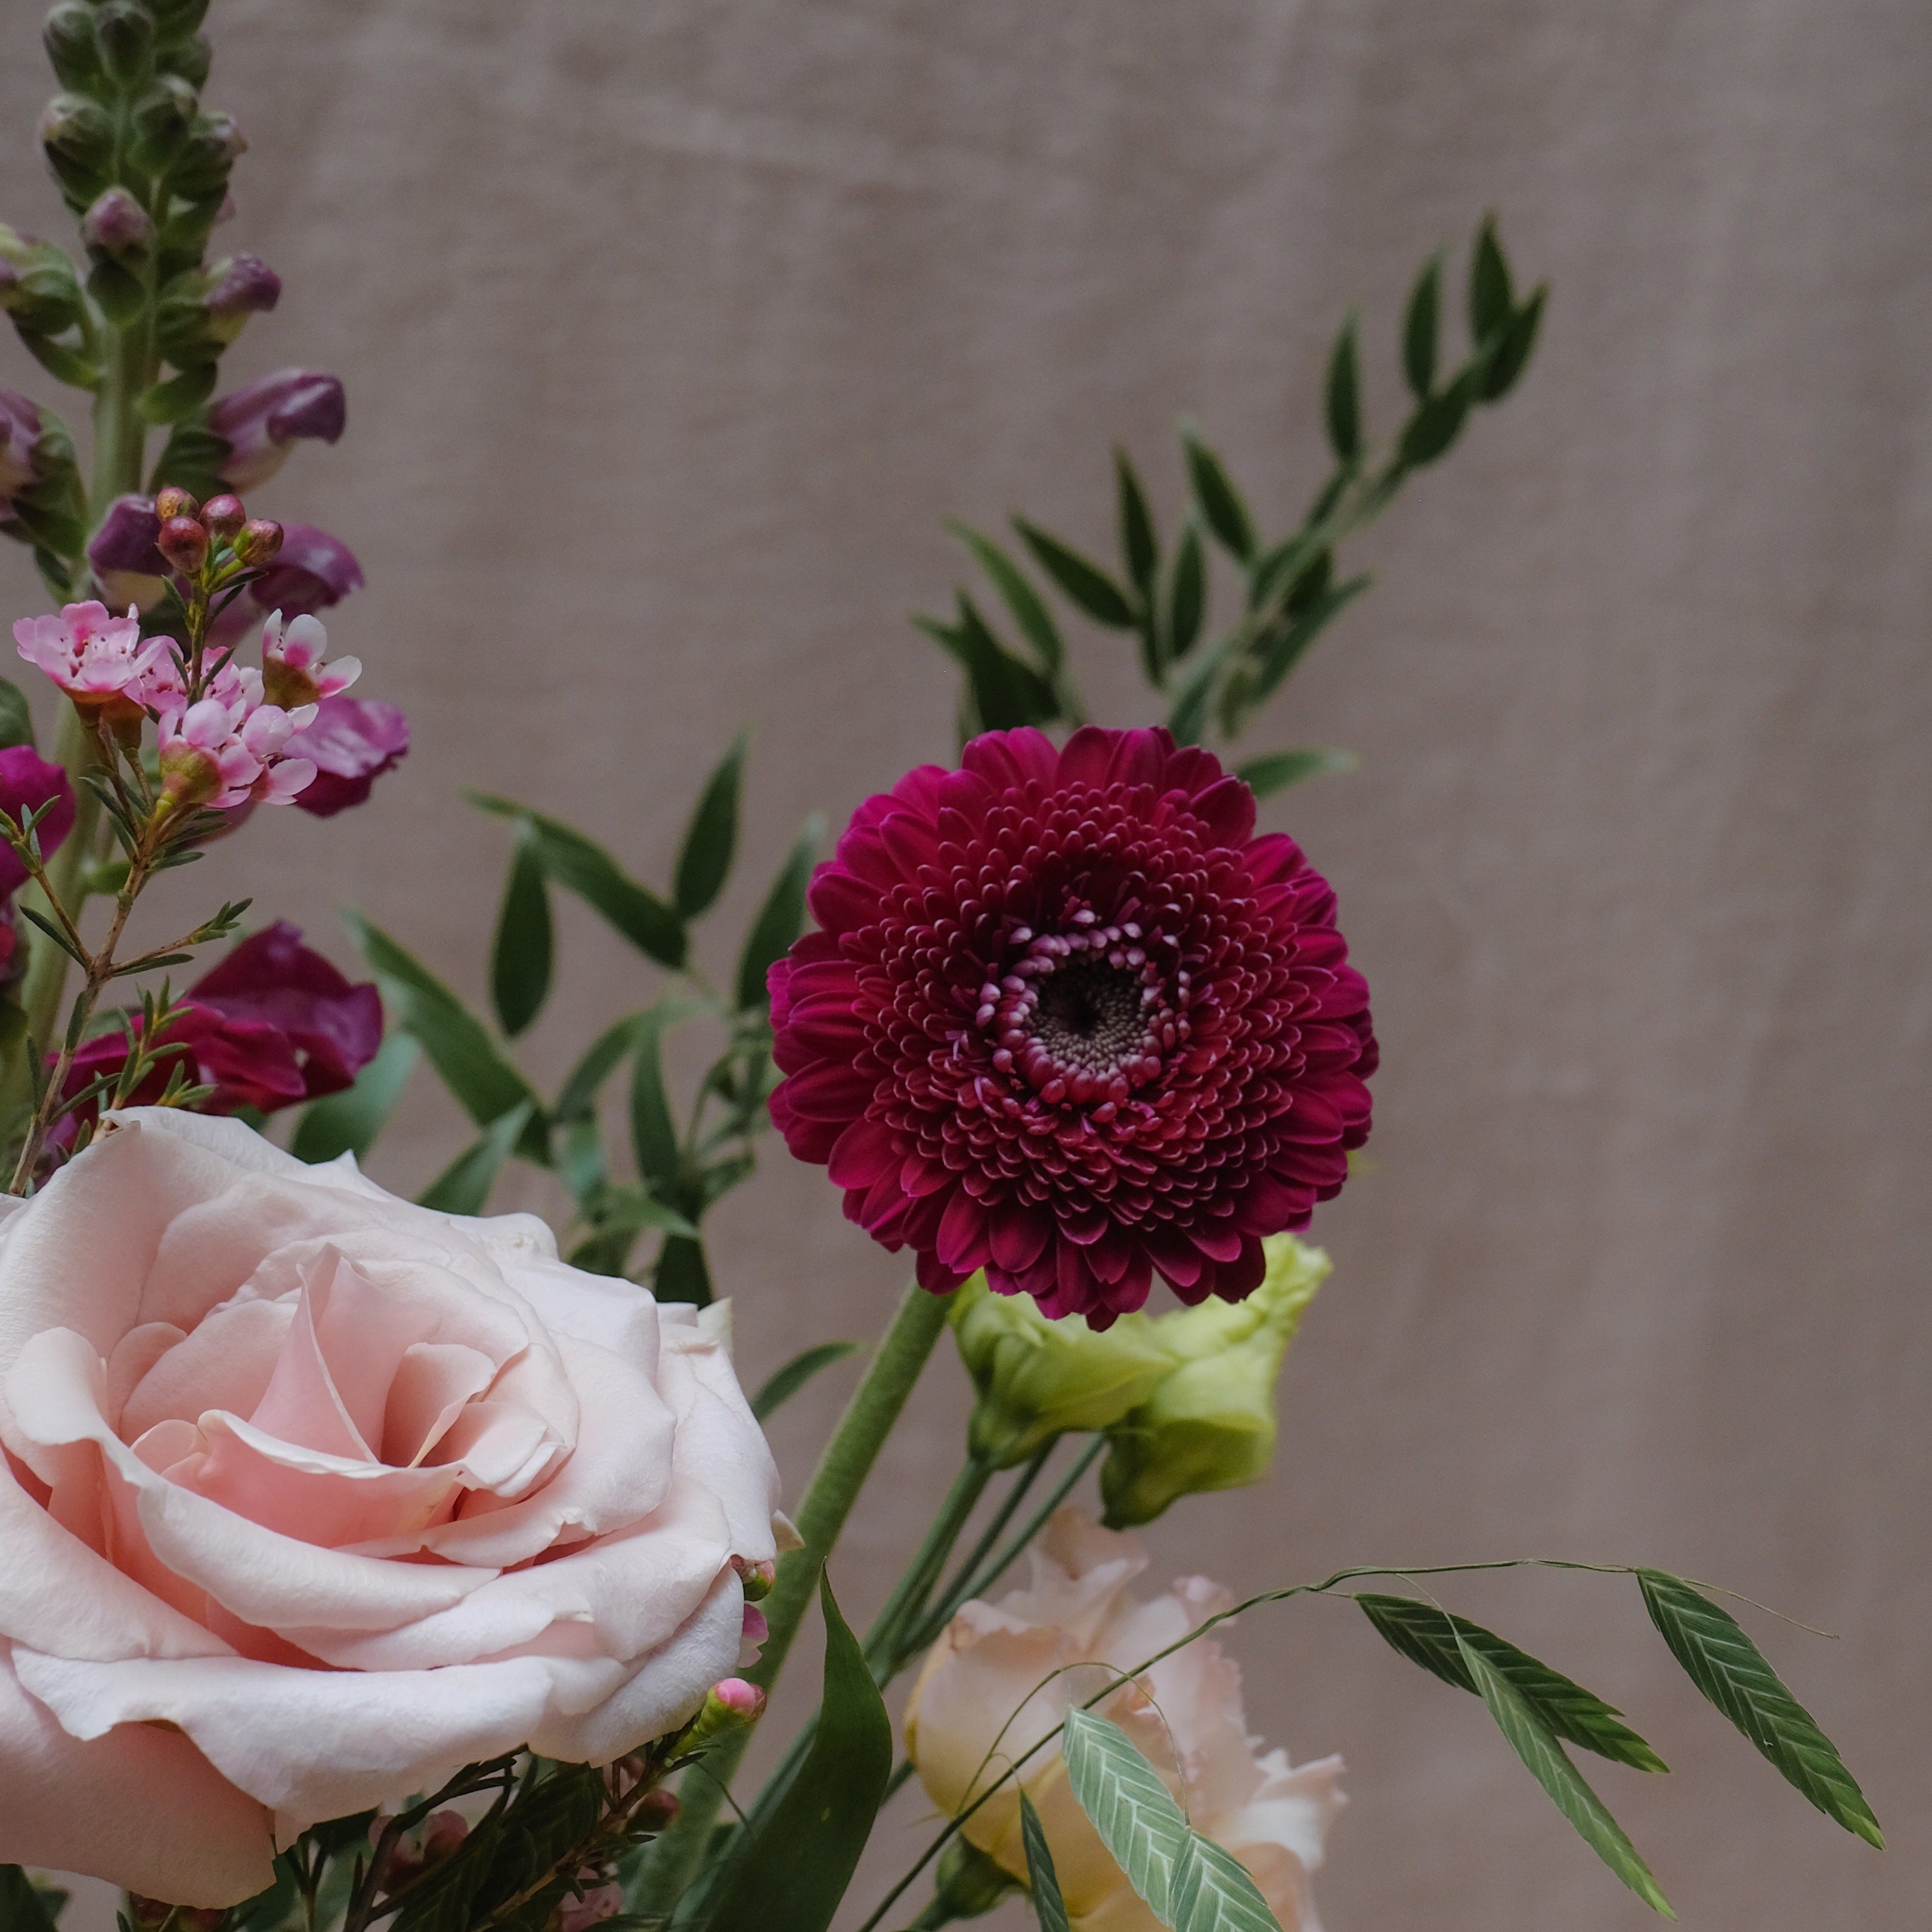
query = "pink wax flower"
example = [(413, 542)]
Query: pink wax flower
[(272, 1024), (293, 672), (312, 572), (101, 661), (260, 421), (1069, 1021), (599, 1902), (27, 782), (230, 747), (352, 743)]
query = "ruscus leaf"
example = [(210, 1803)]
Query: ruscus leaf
[(1285, 648), (793, 1872), (21, 1908), (780, 918), (1124, 1799), (350, 1122), (1043, 1881), (1140, 548), (1511, 354), (1434, 426), (1343, 396), (783, 1384), (520, 959), (1036, 622), (1220, 502), (1421, 328), (653, 1137), (463, 1186), (1491, 301), (1733, 1674), (1186, 594), (1276, 771), (682, 1274), (711, 840), (580, 1091), (1083, 580), (1434, 1638), (1531, 1740)]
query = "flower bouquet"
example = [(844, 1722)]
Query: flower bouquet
[(372, 1563)]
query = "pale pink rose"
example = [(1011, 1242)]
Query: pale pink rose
[(1078, 1610), (310, 1497)]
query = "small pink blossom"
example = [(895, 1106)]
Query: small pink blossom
[(226, 749), (101, 661), (292, 667)]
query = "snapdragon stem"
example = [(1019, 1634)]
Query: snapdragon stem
[(875, 1406)]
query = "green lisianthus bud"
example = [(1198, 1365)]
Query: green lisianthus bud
[(1210, 1423), (969, 1883), (1037, 1379)]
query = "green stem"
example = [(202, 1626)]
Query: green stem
[(834, 1487)]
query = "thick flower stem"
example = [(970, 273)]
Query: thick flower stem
[(842, 1472)]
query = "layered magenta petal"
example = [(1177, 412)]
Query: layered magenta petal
[(1068, 1019)]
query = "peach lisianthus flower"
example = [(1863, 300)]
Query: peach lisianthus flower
[(1184, 1714)]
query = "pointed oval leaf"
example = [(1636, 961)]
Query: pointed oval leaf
[(653, 1137), (1421, 328), (1491, 301), (1510, 355), (1731, 1671), (682, 1274), (1083, 580), (793, 1872), (1124, 1799), (1531, 1741), (783, 1384), (1278, 770), (463, 1186), (780, 918), (1220, 502), (1343, 396), (1285, 648), (600, 1060), (1140, 548), (1213, 1891), (1186, 594), (1043, 1881), (1036, 622), (16, 722), (1009, 692), (22, 1909), (1434, 425), (349, 1122), (711, 839), (520, 959)]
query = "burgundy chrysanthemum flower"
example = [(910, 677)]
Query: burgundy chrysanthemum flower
[(1068, 1020)]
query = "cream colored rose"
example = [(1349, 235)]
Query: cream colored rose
[(1078, 1610), (310, 1496)]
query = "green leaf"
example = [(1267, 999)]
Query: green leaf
[(1343, 396), (1434, 426), (1036, 622), (1186, 593), (1729, 1669), (459, 1046), (1277, 770), (1189, 712), (1491, 301), (1511, 354), (1285, 648), (1531, 1741), (520, 962), (1421, 328), (623, 1214), (783, 1384), (704, 860), (1140, 548), (21, 1910), (780, 918), (1083, 581), (1043, 1881), (796, 1868), (682, 1273), (463, 1186), (582, 866), (1123, 1797), (1434, 1638), (653, 1136), (16, 722), (1220, 502), (1213, 1891), (579, 1091), (349, 1122), (580, 1161)]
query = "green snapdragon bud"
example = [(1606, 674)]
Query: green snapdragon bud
[(1037, 1379), (77, 137), (38, 287), (1210, 1423), (71, 48)]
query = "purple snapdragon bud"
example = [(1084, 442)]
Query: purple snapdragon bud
[(118, 225), (352, 743), (244, 286), (27, 782), (259, 420), (19, 431), (125, 555)]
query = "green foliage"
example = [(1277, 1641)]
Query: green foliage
[(463, 1186), (780, 919), (349, 1122), (1276, 771), (1532, 1740), (1436, 1640), (1043, 1881), (22, 1907), (1214, 1892), (793, 1869), (521, 960), (1731, 1671), (1122, 1794), (710, 842), (783, 1384)]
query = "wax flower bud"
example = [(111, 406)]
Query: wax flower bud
[(1209, 1424), (184, 542), (257, 541), (657, 1809), (174, 502), (757, 1578), (1037, 1379), (729, 1705), (118, 225), (224, 515)]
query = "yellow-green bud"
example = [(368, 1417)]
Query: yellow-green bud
[(1037, 1379), (969, 1883), (1210, 1423)]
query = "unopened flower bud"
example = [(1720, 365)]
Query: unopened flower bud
[(38, 287), (261, 421), (1038, 1379), (657, 1809), (174, 501), (68, 36), (244, 286), (445, 1831), (257, 541), (1211, 1423), (190, 58), (78, 139), (729, 1705), (126, 30), (165, 113), (19, 431), (118, 225), (184, 542), (224, 515), (123, 555), (757, 1578), (969, 1882)]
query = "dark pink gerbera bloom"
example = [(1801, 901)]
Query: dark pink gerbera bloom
[(1068, 1020)]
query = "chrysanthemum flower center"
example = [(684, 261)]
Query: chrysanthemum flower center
[(1089, 1015)]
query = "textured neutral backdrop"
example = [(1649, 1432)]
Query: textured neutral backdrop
[(671, 334)]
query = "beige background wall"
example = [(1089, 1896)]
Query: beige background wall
[(671, 333)]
